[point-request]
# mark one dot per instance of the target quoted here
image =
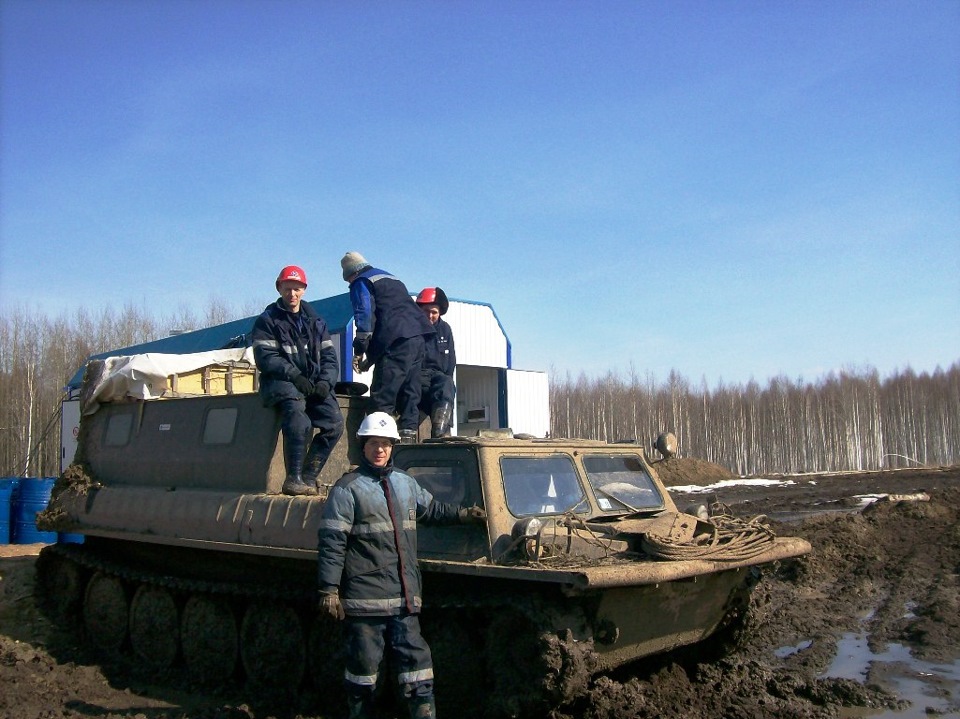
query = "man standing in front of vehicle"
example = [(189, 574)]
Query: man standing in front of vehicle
[(368, 572)]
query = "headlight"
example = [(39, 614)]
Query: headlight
[(529, 527), (526, 537)]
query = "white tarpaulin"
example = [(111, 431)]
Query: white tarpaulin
[(144, 376)]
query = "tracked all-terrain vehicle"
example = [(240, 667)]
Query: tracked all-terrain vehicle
[(192, 558)]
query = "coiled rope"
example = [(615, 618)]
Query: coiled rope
[(729, 539)]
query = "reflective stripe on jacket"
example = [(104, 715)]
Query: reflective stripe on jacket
[(288, 344), (369, 549), (384, 310)]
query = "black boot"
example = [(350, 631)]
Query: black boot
[(293, 457), (408, 436), (316, 458), (422, 707), (296, 487), (360, 705), (440, 420)]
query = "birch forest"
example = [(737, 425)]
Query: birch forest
[(39, 355), (845, 421), (850, 420)]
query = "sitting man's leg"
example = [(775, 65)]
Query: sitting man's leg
[(442, 393), (294, 426), (328, 419)]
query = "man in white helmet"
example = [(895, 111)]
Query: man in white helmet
[(368, 572)]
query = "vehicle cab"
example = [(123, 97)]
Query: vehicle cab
[(534, 489)]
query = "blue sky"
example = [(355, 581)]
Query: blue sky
[(731, 190)]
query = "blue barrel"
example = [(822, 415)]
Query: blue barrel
[(70, 538), (33, 497), (8, 489)]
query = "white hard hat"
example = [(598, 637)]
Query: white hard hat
[(379, 424)]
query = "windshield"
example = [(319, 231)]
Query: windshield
[(621, 483), (541, 485)]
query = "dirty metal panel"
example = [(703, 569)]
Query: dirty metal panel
[(656, 618), (198, 516), (225, 442), (162, 443)]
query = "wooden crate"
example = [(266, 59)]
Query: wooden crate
[(214, 379)]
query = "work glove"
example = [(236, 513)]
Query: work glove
[(472, 515), (360, 364), (360, 345), (321, 390), (304, 385), (330, 604)]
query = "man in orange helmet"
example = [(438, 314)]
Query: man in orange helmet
[(298, 369), (437, 390)]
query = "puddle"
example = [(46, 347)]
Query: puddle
[(932, 689), (784, 652)]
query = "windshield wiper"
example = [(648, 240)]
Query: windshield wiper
[(617, 499)]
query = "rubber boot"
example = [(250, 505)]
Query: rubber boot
[(316, 457), (360, 705), (408, 436), (294, 486), (422, 708), (293, 456), (440, 420)]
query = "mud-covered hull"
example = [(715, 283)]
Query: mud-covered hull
[(626, 609), (193, 558)]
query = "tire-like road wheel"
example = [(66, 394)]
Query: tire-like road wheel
[(61, 583), (458, 662), (272, 647), (154, 627), (208, 637), (325, 655), (106, 613)]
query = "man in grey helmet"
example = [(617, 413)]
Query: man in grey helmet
[(390, 335)]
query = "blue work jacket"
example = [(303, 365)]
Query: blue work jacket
[(384, 311), (287, 344), (367, 545)]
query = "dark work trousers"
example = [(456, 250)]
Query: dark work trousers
[(435, 388), (299, 416), (366, 638), (396, 381)]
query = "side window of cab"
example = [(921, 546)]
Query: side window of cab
[(450, 476)]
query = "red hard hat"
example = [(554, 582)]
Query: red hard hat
[(434, 296), (292, 272)]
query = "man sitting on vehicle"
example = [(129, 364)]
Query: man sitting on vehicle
[(298, 369)]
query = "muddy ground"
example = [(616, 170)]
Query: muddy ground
[(884, 575)]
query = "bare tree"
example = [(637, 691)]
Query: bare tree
[(851, 420), (39, 356)]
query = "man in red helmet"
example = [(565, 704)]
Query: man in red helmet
[(437, 390), (298, 369)]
